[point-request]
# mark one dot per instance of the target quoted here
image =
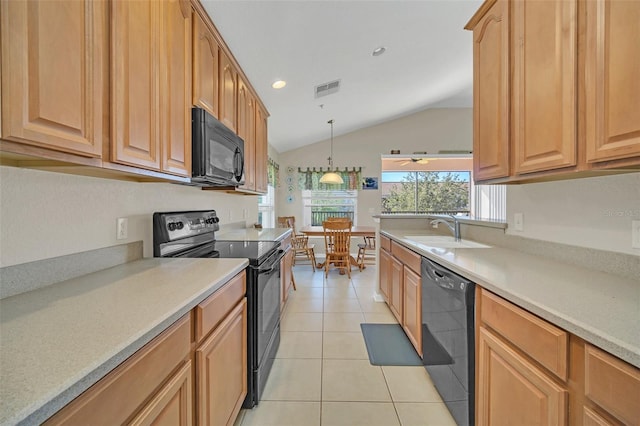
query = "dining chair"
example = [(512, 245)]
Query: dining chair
[(366, 251), (337, 239), (300, 243)]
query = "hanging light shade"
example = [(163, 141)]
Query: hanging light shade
[(331, 177)]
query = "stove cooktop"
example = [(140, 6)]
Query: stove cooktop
[(256, 251)]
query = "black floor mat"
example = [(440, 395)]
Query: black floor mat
[(388, 345)]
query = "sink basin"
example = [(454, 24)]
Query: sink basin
[(443, 241)]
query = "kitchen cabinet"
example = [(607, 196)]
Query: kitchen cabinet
[(247, 131), (221, 353), (571, 92), (151, 85), (55, 75), (286, 271), (228, 93), (544, 85), (401, 286), (612, 86), (159, 373), (261, 157), (522, 366), (385, 271), (206, 60), (491, 97)]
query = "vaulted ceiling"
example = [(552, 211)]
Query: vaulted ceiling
[(427, 62)]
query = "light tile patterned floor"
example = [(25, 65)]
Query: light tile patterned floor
[(322, 375)]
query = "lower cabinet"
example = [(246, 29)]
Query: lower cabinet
[(221, 370), (286, 272), (155, 386), (148, 375), (512, 390), (401, 287)]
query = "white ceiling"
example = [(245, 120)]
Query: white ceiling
[(428, 62)]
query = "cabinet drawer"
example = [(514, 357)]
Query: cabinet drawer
[(406, 256), (612, 384), (214, 308), (286, 242), (540, 340), (117, 396), (385, 243)]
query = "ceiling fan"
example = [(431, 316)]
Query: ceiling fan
[(405, 161)]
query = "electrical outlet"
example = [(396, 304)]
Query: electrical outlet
[(245, 213), (635, 234), (230, 215), (122, 228), (518, 222)]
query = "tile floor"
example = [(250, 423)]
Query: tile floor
[(322, 375)]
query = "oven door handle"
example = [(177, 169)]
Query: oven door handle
[(276, 264)]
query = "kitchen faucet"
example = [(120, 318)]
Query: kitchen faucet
[(455, 228)]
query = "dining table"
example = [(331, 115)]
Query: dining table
[(356, 231)]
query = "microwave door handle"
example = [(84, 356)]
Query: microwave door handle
[(238, 162)]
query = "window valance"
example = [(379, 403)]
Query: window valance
[(309, 179)]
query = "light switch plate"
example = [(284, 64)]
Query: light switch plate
[(635, 234), (518, 222)]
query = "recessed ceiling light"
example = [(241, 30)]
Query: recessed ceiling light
[(279, 84), (378, 51)]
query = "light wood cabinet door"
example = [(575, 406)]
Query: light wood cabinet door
[(247, 131), (227, 106), (396, 288), (612, 80), (286, 276), (491, 93), (206, 61), (262, 154), (544, 84), (172, 405), (513, 391), (55, 74), (134, 83), (385, 274), (151, 83), (175, 86), (412, 308), (221, 370)]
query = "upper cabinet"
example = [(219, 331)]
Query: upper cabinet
[(491, 98), (55, 75), (228, 93), (206, 60), (247, 131), (151, 85), (544, 85), (556, 92), (261, 150), (612, 80)]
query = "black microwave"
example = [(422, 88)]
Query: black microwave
[(217, 152)]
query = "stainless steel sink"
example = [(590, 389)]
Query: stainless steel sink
[(443, 241)]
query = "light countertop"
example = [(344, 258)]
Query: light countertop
[(253, 234), (57, 341), (601, 308)]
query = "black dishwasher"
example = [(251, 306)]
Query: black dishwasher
[(448, 337)]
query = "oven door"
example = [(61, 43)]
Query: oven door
[(267, 304)]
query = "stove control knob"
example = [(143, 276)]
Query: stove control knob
[(179, 225), (171, 226), (216, 220)]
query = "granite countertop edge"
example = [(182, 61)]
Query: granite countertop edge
[(461, 261), (39, 410)]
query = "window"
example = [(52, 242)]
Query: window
[(266, 208), (426, 192), (438, 184), (319, 205)]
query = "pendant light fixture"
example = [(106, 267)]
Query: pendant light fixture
[(331, 177)]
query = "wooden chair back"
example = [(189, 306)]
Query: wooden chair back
[(337, 236), (287, 222)]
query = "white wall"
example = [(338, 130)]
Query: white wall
[(45, 214), (430, 130), (594, 212)]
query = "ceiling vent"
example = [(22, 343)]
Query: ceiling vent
[(327, 88)]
